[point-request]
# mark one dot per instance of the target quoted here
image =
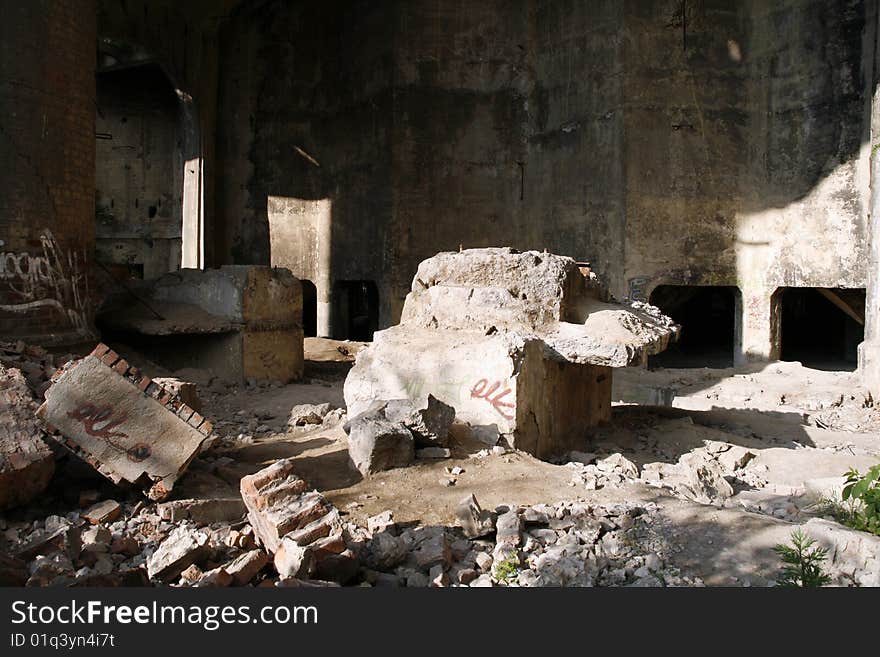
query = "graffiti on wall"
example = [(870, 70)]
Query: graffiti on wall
[(53, 279)]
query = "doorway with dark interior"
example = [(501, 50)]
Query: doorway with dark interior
[(356, 307), (707, 315), (821, 327)]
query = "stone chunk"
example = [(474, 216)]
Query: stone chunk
[(293, 560), (202, 512), (304, 414), (473, 520), (183, 547), (429, 425), (102, 512), (509, 529), (246, 566), (122, 423), (375, 443), (26, 463)]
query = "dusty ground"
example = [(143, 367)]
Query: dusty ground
[(804, 426)]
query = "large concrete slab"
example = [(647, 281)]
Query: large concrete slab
[(520, 344), (121, 422)]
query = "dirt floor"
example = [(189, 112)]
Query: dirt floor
[(805, 427), (802, 429)]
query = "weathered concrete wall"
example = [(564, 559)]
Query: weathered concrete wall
[(47, 166), (304, 141), (704, 143), (747, 151)]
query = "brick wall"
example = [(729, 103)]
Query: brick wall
[(47, 165)]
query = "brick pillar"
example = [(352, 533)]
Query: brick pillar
[(47, 167)]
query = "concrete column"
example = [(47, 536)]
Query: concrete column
[(869, 350), (756, 329)]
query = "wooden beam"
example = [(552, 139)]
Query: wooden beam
[(834, 298)]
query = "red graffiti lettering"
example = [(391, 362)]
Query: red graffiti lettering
[(484, 390), (97, 421)]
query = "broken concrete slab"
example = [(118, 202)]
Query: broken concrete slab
[(246, 566), (123, 423), (26, 462), (376, 443), (183, 547), (428, 423), (519, 344), (203, 512), (239, 321), (853, 556)]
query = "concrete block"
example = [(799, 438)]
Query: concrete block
[(500, 384), (125, 425), (183, 547), (240, 322)]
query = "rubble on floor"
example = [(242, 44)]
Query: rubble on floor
[(521, 345), (386, 434), (122, 422), (26, 462)]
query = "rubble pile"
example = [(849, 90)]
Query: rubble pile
[(561, 544), (26, 462)]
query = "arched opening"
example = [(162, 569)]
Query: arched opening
[(139, 160), (707, 315), (821, 327), (356, 310), (309, 308)]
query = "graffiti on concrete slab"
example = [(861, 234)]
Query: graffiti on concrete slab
[(100, 422), (493, 393), (52, 279)]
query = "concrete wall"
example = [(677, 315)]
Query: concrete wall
[(304, 141), (47, 166), (701, 143)]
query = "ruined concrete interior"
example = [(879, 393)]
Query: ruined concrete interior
[(497, 293)]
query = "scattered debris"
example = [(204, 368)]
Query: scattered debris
[(26, 462)]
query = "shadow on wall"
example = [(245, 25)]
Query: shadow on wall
[(719, 143)]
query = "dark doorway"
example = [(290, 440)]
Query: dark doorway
[(707, 315), (357, 310), (821, 327), (310, 309)]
